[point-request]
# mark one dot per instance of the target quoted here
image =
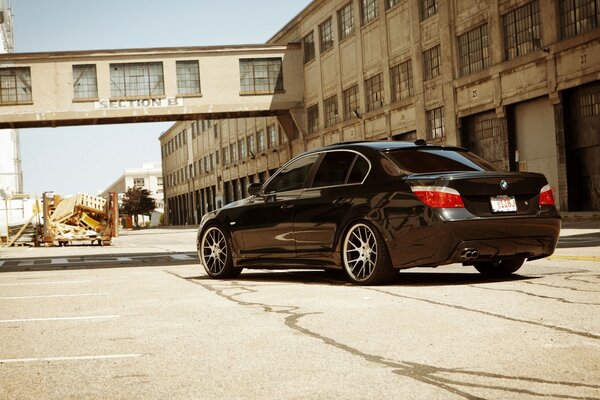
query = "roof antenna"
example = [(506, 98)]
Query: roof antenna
[(421, 142)]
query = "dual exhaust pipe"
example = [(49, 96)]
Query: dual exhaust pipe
[(469, 254)]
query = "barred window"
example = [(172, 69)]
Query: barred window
[(431, 62), (374, 92), (308, 45), (261, 75), (312, 115), (522, 30), (369, 10), (351, 104), (260, 140), (15, 85), (391, 3), (188, 77), (330, 107), (85, 83), (137, 80), (435, 123), (271, 136), (346, 21), (428, 8), (578, 16), (589, 105), (473, 50), (325, 36), (402, 81)]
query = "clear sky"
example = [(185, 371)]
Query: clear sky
[(89, 158)]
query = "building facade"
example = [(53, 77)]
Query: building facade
[(148, 177), (516, 81), (11, 175)]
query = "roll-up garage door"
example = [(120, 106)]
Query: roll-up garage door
[(536, 140)]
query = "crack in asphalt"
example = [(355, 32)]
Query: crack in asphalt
[(559, 299), (561, 287), (423, 373), (491, 314)]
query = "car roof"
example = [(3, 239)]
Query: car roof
[(384, 145)]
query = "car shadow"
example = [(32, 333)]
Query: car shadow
[(404, 278)]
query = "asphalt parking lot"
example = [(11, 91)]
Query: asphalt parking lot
[(140, 319)]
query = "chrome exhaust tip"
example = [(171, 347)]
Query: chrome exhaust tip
[(469, 254)]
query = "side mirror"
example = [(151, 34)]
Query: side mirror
[(254, 189)]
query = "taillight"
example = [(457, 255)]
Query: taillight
[(438, 196), (546, 196)]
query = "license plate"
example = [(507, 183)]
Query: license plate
[(503, 204)]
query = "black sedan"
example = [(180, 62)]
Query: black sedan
[(373, 208)]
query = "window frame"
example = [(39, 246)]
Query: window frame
[(401, 80), (88, 82), (259, 76), (346, 23), (374, 99), (17, 81), (369, 11), (473, 50), (432, 62), (326, 39), (191, 77), (151, 86), (435, 123), (308, 47)]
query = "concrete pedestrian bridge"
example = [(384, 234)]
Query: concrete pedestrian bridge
[(144, 85)]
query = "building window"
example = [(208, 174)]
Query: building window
[(225, 155), (351, 104), (137, 80), (473, 50), (325, 36), (589, 105), (159, 181), (428, 8), (261, 75), (369, 10), (391, 3), (250, 145), (402, 81), (188, 77), (233, 152), (85, 84), (308, 45), (346, 21), (431, 62), (330, 108), (578, 16), (242, 148), (271, 136), (138, 183), (312, 116), (260, 141), (435, 123), (15, 85), (522, 30), (374, 92)]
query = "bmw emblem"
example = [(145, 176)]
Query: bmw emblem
[(503, 184)]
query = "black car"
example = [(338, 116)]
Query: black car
[(373, 208)]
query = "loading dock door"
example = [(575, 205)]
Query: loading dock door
[(484, 135), (536, 140), (582, 137)]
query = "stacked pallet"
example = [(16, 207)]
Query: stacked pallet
[(77, 218)]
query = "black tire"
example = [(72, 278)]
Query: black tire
[(499, 268), (214, 252), (365, 257)]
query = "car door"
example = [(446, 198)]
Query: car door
[(267, 222), (320, 209)]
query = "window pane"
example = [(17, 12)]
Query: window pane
[(188, 77), (334, 168), (292, 177), (85, 85)]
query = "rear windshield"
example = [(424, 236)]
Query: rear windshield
[(423, 160)]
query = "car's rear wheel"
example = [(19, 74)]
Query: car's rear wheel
[(365, 256), (214, 251), (499, 267)]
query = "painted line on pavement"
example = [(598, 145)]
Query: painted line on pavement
[(180, 257), (50, 296), (75, 358), (44, 283), (576, 258), (59, 261), (9, 321)]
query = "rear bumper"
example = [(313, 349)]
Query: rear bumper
[(445, 242)]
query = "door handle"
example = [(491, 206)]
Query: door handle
[(287, 206), (340, 201)]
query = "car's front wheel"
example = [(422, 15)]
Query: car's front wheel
[(365, 256), (500, 267), (214, 251)]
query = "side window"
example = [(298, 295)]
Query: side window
[(359, 170), (292, 176), (334, 168)]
